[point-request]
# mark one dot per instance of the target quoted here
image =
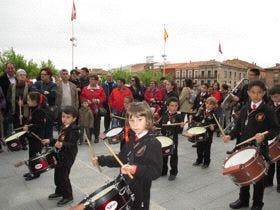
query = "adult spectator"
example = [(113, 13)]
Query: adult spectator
[(84, 77), (116, 100), (66, 94), (2, 108), (108, 87), (96, 98), (17, 101), (186, 97), (136, 89), (48, 88), (74, 78), (6, 79), (153, 95)]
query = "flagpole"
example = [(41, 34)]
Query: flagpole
[(72, 44), (164, 56)]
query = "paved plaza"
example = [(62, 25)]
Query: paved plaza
[(194, 188)]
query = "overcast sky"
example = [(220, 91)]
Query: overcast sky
[(112, 33)]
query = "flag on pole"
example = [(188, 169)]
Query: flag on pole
[(73, 14), (165, 35), (220, 48)]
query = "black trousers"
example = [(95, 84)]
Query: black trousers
[(244, 193), (96, 126), (107, 118), (271, 172), (173, 161), (62, 181), (203, 152)]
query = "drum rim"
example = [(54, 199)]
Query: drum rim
[(113, 129), (237, 151), (23, 132), (202, 128)]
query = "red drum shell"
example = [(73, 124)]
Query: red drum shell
[(274, 150), (246, 173)]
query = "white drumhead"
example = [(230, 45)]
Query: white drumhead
[(271, 141), (114, 132), (102, 193), (197, 130), (165, 141), (15, 136), (240, 157)]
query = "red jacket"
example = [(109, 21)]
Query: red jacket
[(218, 96), (157, 95), (90, 93), (116, 98)]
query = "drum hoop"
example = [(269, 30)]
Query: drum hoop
[(88, 198), (238, 151), (201, 128), (15, 136), (112, 130), (164, 137)]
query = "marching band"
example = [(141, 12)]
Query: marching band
[(146, 122)]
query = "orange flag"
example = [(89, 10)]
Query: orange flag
[(165, 35)]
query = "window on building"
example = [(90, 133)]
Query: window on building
[(209, 74), (239, 76), (225, 73), (215, 73), (184, 73), (230, 74), (235, 75), (209, 82), (202, 82), (182, 82), (202, 74), (178, 82), (177, 75), (196, 74), (190, 74)]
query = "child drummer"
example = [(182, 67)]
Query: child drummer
[(275, 97), (141, 155), (205, 118), (171, 116), (66, 146), (255, 118)]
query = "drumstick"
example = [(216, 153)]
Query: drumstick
[(250, 139), (174, 124), (20, 117), (36, 136), (117, 158), (93, 153), (219, 125), (19, 128), (115, 116)]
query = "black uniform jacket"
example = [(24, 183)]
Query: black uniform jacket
[(206, 118), (69, 137), (171, 131), (146, 154), (256, 121)]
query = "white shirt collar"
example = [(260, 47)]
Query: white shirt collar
[(142, 134), (257, 104)]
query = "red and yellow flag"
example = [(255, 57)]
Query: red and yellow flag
[(165, 35)]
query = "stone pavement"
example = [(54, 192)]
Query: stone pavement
[(194, 188)]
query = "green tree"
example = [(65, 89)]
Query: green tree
[(30, 66)]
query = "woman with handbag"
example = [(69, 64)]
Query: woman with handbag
[(187, 97), (95, 96)]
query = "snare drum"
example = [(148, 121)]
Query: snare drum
[(167, 145), (245, 166), (113, 196), (42, 163), (115, 135), (199, 134), (274, 149), (13, 141)]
